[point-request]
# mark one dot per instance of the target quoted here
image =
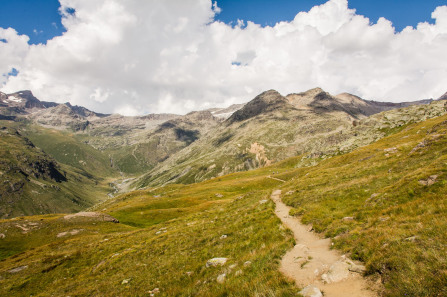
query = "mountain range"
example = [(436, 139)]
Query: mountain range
[(119, 153), (179, 205)]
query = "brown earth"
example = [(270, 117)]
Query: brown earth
[(312, 262)]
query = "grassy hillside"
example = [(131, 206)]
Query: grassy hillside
[(136, 145), (384, 204), (67, 149), (32, 182), (164, 240)]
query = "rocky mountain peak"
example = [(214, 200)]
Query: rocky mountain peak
[(304, 99), (443, 97), (23, 102), (264, 102)]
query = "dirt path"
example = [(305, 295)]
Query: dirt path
[(314, 266), (276, 179)]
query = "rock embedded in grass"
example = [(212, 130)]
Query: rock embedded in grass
[(429, 181), (71, 232), (214, 262), (90, 214), (221, 278), (18, 269), (357, 268)]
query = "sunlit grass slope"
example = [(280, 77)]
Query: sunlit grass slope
[(178, 229), (32, 182), (67, 149), (385, 204)]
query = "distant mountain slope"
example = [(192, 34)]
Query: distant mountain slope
[(22, 102), (224, 113), (205, 144), (138, 151), (31, 182), (131, 145), (272, 127)]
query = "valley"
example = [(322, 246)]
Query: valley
[(180, 205)]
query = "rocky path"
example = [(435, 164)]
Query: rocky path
[(314, 266)]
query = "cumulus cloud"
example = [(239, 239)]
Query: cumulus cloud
[(13, 49), (136, 57)]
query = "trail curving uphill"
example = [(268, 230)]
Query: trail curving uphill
[(314, 266)]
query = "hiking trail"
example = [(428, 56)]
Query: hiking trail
[(314, 266)]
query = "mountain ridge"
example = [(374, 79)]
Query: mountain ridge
[(165, 148)]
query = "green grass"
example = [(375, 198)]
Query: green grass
[(169, 253), (167, 234), (67, 149), (381, 191), (32, 182)]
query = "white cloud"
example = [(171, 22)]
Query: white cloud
[(13, 49), (171, 56)]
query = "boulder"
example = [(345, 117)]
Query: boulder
[(214, 262), (311, 291), (357, 268), (429, 181), (221, 278), (337, 272)]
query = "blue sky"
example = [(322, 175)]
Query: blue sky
[(41, 21), (268, 12)]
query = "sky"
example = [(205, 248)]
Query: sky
[(137, 57)]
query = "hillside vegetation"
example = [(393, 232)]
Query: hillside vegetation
[(272, 128), (32, 182), (384, 204)]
